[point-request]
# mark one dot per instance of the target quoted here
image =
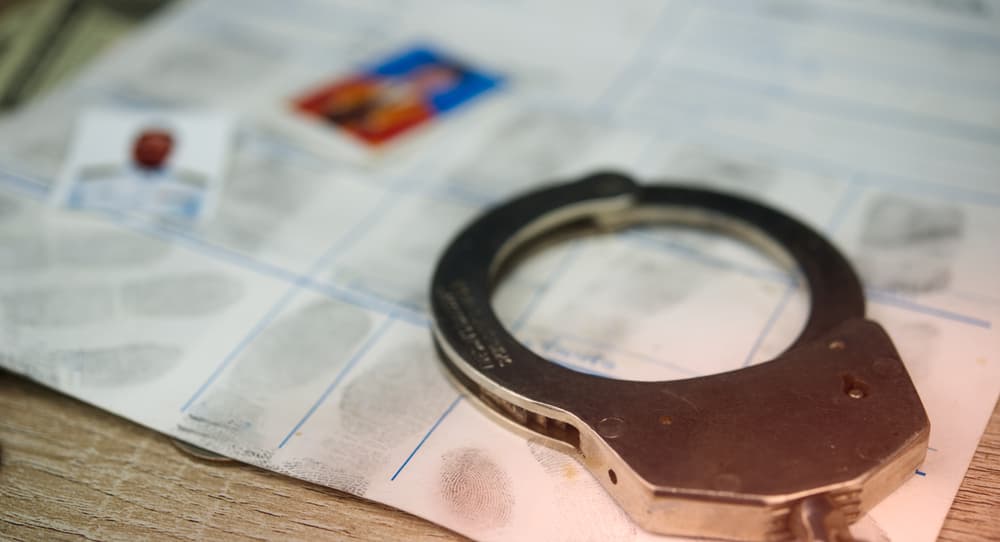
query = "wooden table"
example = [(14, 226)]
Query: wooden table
[(71, 471)]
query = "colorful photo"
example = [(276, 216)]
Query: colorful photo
[(405, 91)]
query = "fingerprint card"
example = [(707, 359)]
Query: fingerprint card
[(166, 164), (406, 90)]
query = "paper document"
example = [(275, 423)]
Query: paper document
[(289, 329)]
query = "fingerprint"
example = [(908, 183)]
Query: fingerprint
[(107, 249), (239, 228), (585, 509), (399, 267), (218, 60), (227, 421), (391, 402), (19, 254), (330, 473), (255, 206), (182, 295), (639, 283), (59, 306), (894, 221), (309, 343), (253, 182), (718, 171), (37, 151), (529, 149), (475, 489), (651, 283), (908, 246), (380, 402), (114, 366)]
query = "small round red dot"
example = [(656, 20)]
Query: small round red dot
[(152, 147)]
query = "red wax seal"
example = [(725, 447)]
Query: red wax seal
[(152, 147)]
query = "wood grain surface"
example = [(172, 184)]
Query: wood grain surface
[(71, 471)]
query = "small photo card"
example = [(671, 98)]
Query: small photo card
[(406, 90), (167, 164)]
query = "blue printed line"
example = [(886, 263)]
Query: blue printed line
[(168, 233), (639, 63), (831, 167), (335, 17), (846, 203), (572, 337), (466, 195), (872, 24), (571, 254), (827, 167), (24, 184), (420, 444), (276, 147), (887, 298), (784, 95), (673, 247), (355, 295), (857, 185), (358, 355), (847, 200), (164, 232), (351, 295), (261, 324), (739, 42), (357, 287), (561, 266), (919, 472), (771, 320), (873, 295), (202, 246), (386, 202), (343, 242), (823, 166), (254, 332)]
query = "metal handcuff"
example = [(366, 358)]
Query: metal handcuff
[(795, 448)]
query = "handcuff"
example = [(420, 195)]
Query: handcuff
[(798, 447)]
